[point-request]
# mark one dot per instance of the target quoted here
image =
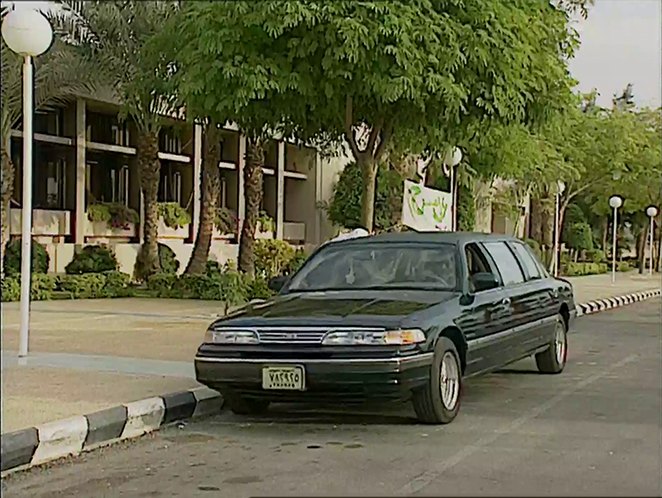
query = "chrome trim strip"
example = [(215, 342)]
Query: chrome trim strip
[(482, 341), (423, 357)]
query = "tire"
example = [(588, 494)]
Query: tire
[(552, 361), (429, 404), (240, 405)]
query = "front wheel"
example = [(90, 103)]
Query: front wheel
[(553, 359), (438, 402)]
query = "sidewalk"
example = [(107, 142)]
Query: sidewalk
[(92, 354)]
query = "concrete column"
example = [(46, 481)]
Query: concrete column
[(280, 191), (81, 167), (197, 168), (241, 203)]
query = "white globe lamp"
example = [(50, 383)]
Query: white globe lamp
[(651, 211), (615, 202), (453, 157), (28, 33)]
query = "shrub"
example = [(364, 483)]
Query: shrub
[(623, 266), (258, 288), (174, 216), (83, 286), (168, 259), (41, 288), (580, 269), (115, 215), (296, 261), (11, 289), (163, 284), (12, 257), (345, 207), (272, 257), (596, 256), (266, 223), (117, 284), (92, 259)]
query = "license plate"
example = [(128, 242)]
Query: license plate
[(291, 378)]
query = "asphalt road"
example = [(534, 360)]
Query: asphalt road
[(595, 430)]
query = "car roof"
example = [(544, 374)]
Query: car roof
[(456, 238)]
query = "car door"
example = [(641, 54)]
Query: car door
[(541, 296), (485, 316), (520, 300)]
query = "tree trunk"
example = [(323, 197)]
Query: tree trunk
[(149, 173), (7, 192), (210, 179), (535, 222), (369, 170), (252, 197), (605, 234)]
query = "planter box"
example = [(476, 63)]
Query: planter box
[(294, 231), (165, 232), (100, 232), (45, 222), (216, 235)]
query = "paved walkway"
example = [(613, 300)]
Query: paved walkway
[(90, 354)]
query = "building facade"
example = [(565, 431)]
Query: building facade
[(85, 156)]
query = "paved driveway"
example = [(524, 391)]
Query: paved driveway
[(592, 431)]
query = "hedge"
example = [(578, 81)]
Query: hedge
[(85, 286), (580, 269), (12, 257)]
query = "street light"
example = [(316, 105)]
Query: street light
[(651, 211), (452, 159), (560, 188), (614, 202), (28, 33)]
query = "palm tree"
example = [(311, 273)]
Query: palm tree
[(116, 32), (62, 72), (210, 179)]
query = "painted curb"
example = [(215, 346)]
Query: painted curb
[(36, 445), (608, 303)]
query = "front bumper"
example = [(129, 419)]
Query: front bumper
[(327, 379)]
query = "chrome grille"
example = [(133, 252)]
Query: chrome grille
[(301, 335)]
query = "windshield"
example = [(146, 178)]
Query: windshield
[(379, 266)]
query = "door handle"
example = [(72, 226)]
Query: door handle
[(505, 301)]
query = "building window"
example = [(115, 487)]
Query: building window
[(108, 183), (106, 129), (170, 141), (49, 123), (171, 184), (119, 184)]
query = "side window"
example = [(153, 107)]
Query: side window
[(476, 262), (529, 263), (511, 273)]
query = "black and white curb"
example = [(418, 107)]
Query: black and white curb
[(615, 302), (71, 436)]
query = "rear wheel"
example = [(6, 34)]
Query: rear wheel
[(239, 405), (553, 359), (439, 401)]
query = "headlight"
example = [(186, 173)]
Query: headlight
[(374, 338), (230, 337)]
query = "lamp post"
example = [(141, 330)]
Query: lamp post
[(614, 202), (560, 188), (28, 33), (651, 211), (452, 159)]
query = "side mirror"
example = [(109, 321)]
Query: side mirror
[(484, 281), (277, 283)]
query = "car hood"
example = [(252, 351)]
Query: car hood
[(383, 308)]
